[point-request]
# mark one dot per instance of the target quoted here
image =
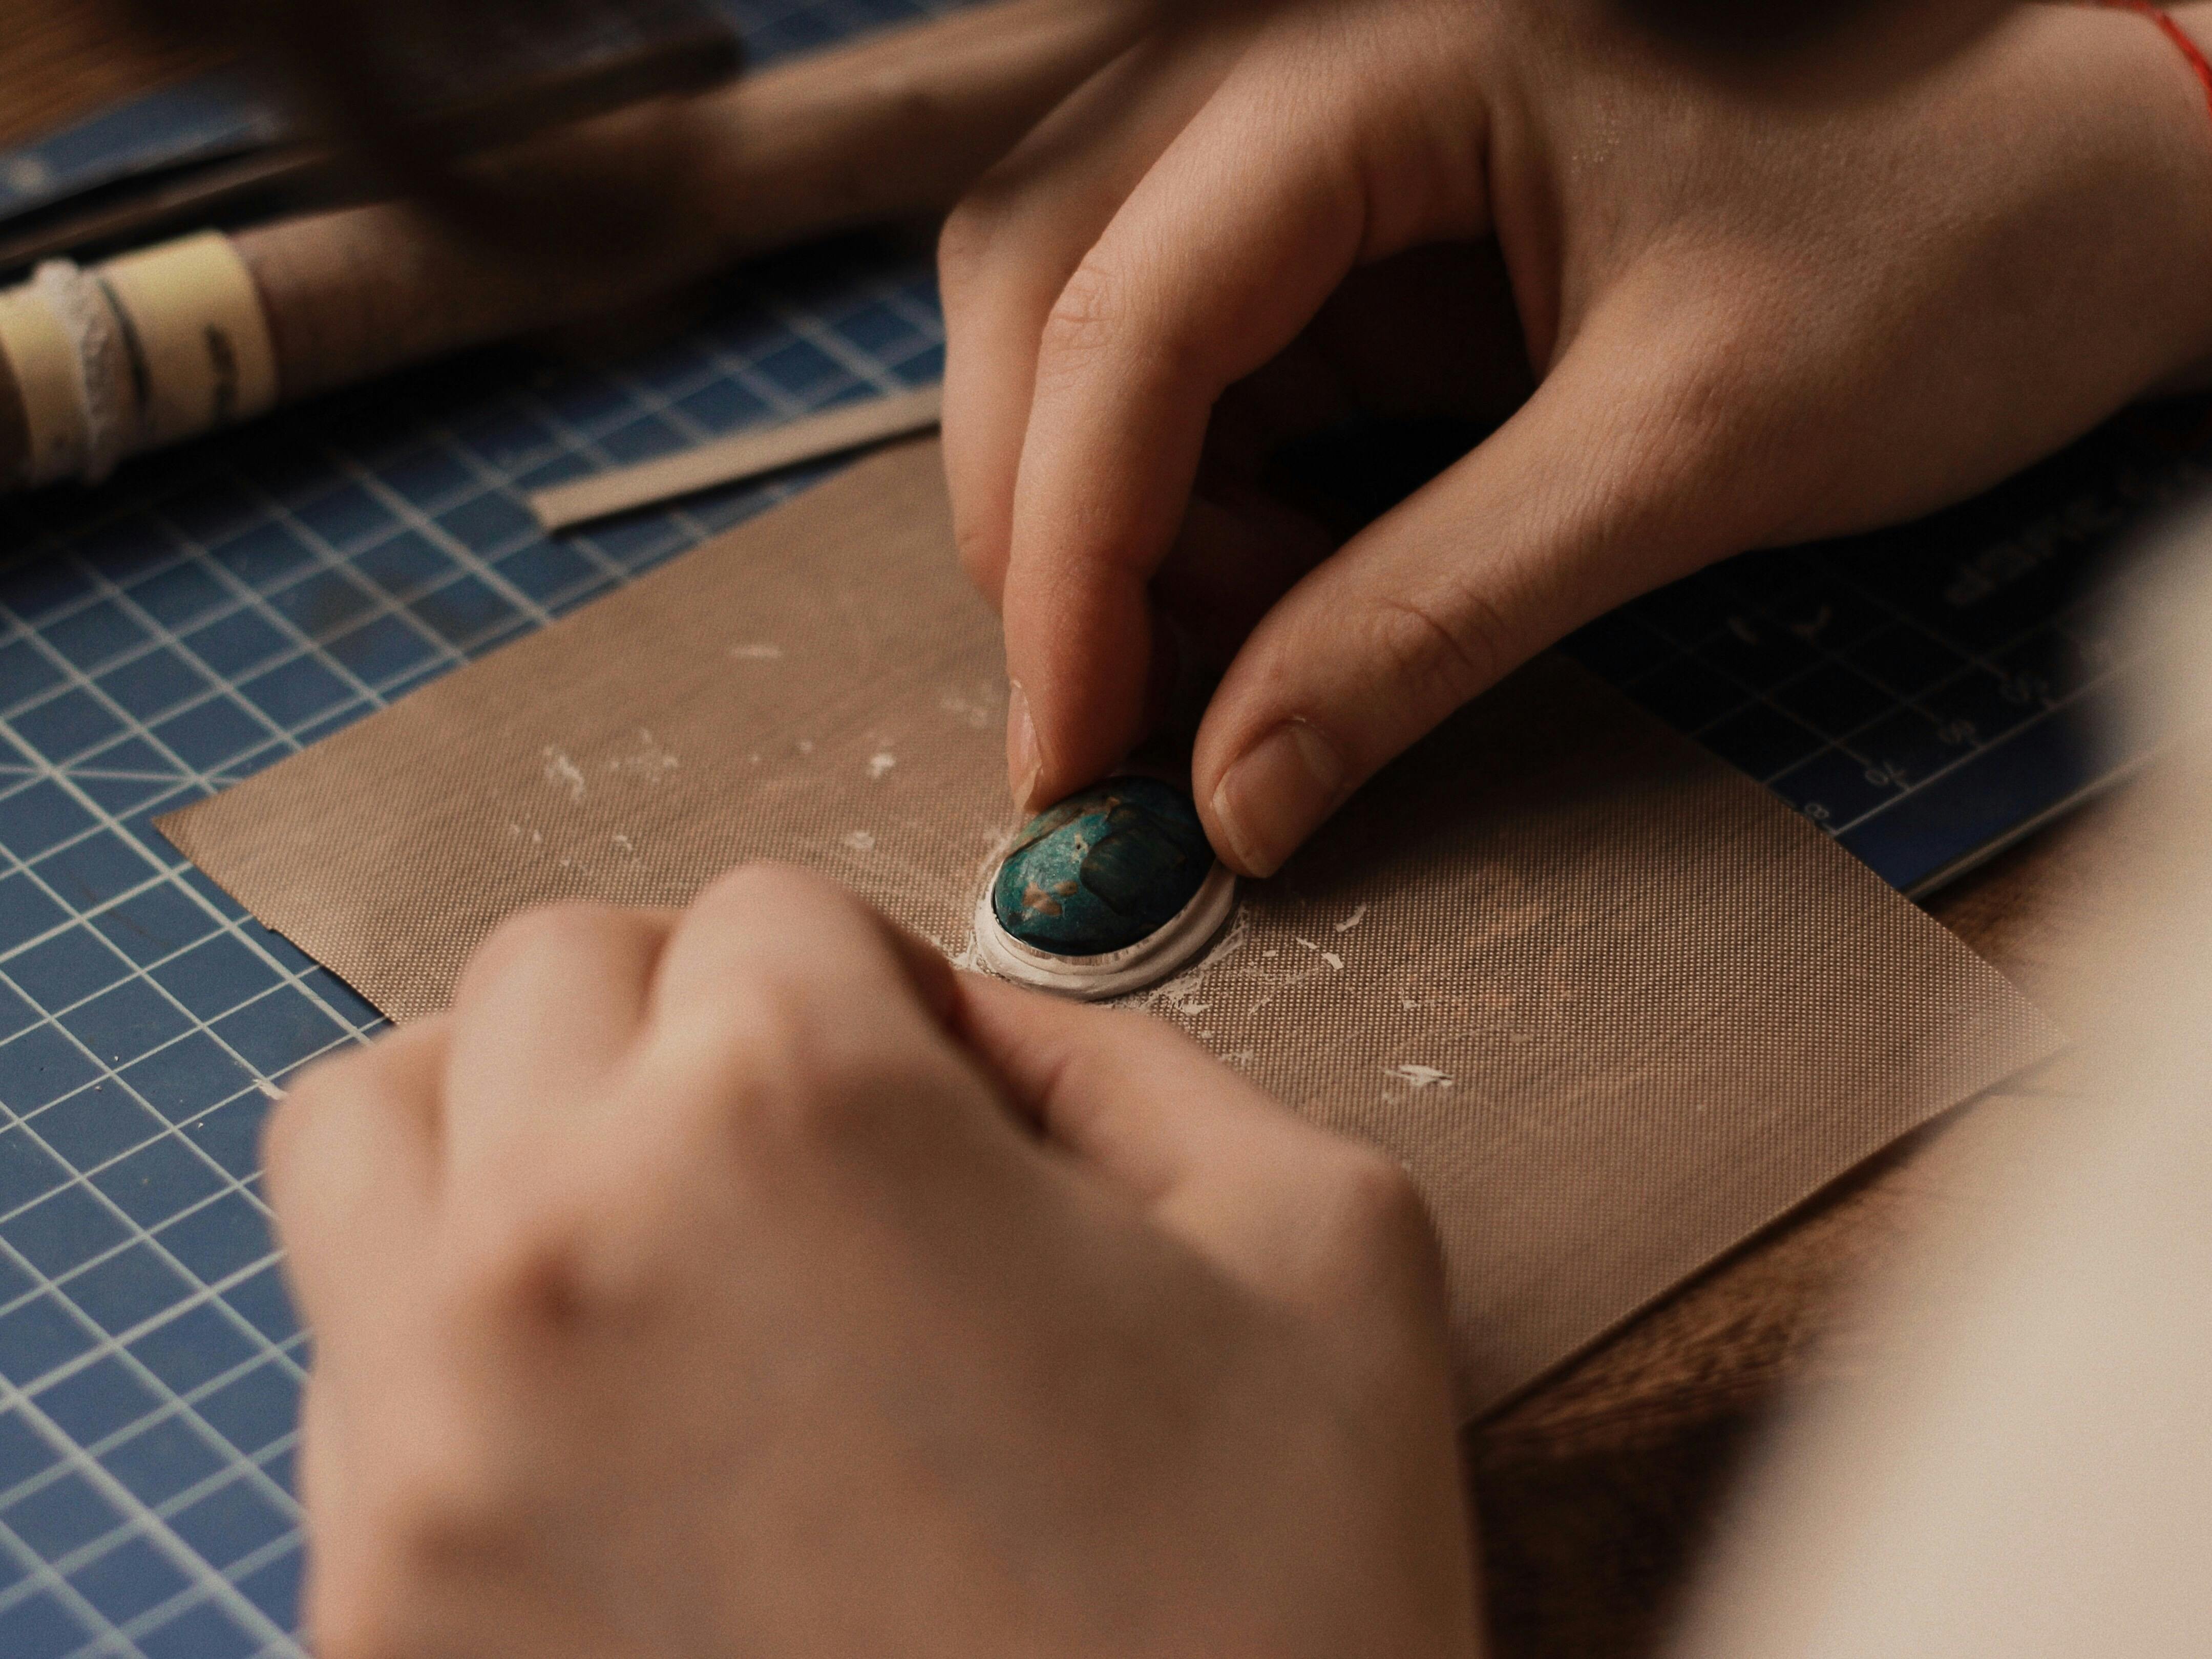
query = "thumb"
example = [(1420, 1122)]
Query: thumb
[(1303, 1217), (1627, 468)]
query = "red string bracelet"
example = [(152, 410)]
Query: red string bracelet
[(2176, 34)]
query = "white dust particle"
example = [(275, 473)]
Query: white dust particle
[(807, 746), (1352, 921), (1307, 943), (625, 843), (878, 765), (565, 772), (652, 762), (976, 715), (1269, 955), (1180, 994), (861, 841), (1421, 1077), (763, 651), (1333, 960)]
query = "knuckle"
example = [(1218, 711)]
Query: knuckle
[(1128, 316), (982, 552), (435, 1515), (1443, 653), (971, 231), (419, 1546), (284, 1175), (798, 1079), (787, 1049), (522, 1274), (441, 1530), (338, 1083), (764, 883), (1658, 463), (550, 933), (321, 1085), (1379, 1215), (815, 1123), (282, 1129), (799, 1085), (1093, 310), (357, 1610), (1699, 449), (356, 1624)]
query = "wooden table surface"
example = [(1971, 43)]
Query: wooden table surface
[(1596, 1492)]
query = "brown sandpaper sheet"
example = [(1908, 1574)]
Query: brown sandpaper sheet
[(1614, 1006)]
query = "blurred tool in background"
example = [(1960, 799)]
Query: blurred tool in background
[(326, 121), (509, 224)]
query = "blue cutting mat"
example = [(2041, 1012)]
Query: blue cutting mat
[(1930, 693), (213, 611), (219, 608)]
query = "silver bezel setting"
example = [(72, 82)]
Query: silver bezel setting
[(1115, 973)]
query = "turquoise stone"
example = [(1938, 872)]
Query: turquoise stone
[(1104, 869)]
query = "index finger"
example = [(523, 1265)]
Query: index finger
[(1218, 258), (1212, 265)]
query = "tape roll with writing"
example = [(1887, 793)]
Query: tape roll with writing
[(153, 347), (143, 350)]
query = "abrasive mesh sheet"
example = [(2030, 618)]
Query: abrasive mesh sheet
[(1612, 1005)]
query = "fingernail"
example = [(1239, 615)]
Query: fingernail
[(1276, 794), (1023, 762)]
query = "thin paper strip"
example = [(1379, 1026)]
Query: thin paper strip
[(735, 459)]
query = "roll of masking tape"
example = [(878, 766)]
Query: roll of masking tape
[(43, 355), (194, 332), (143, 350)]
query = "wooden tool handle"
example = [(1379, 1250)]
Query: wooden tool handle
[(899, 123)]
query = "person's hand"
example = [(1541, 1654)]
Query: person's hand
[(747, 1282), (1769, 298)]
